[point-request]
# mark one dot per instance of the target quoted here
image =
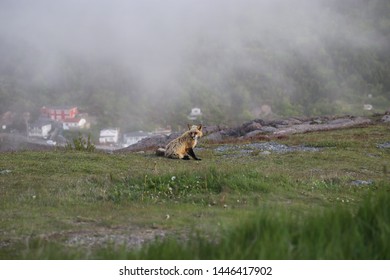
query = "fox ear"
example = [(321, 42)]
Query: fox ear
[(189, 126), (200, 127)]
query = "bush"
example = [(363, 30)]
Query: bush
[(81, 144)]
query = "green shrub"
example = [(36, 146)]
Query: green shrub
[(81, 144)]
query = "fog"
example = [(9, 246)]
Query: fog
[(150, 45)]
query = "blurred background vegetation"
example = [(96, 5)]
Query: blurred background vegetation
[(293, 66)]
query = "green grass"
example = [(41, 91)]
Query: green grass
[(334, 234), (298, 205)]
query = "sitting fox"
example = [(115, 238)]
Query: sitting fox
[(182, 147)]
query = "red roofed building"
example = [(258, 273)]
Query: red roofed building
[(59, 113)]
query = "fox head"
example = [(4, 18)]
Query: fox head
[(195, 131)]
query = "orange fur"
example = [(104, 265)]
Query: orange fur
[(182, 147)]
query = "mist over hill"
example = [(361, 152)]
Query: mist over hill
[(142, 64)]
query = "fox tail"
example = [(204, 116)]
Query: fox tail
[(160, 152)]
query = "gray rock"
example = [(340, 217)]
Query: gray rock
[(385, 145), (359, 183), (252, 127), (294, 121), (215, 136), (339, 121), (386, 118), (254, 133), (268, 129)]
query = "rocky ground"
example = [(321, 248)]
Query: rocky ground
[(258, 129), (265, 130), (10, 142)]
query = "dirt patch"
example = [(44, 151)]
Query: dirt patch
[(127, 237)]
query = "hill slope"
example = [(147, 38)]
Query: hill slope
[(66, 204)]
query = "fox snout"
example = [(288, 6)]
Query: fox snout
[(194, 135)]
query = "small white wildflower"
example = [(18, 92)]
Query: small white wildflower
[(173, 178)]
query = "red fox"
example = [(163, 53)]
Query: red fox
[(182, 147)]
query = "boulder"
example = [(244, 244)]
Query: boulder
[(386, 118), (252, 127), (214, 137), (254, 133)]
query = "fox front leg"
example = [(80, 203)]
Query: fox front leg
[(192, 154)]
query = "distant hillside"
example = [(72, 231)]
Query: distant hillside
[(143, 72)]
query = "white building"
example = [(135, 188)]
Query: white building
[(41, 128), (134, 137), (195, 114), (109, 136), (75, 123)]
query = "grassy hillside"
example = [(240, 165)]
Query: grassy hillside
[(238, 202)]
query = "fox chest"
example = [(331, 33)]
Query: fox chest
[(184, 146)]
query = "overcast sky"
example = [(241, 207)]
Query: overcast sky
[(154, 38)]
